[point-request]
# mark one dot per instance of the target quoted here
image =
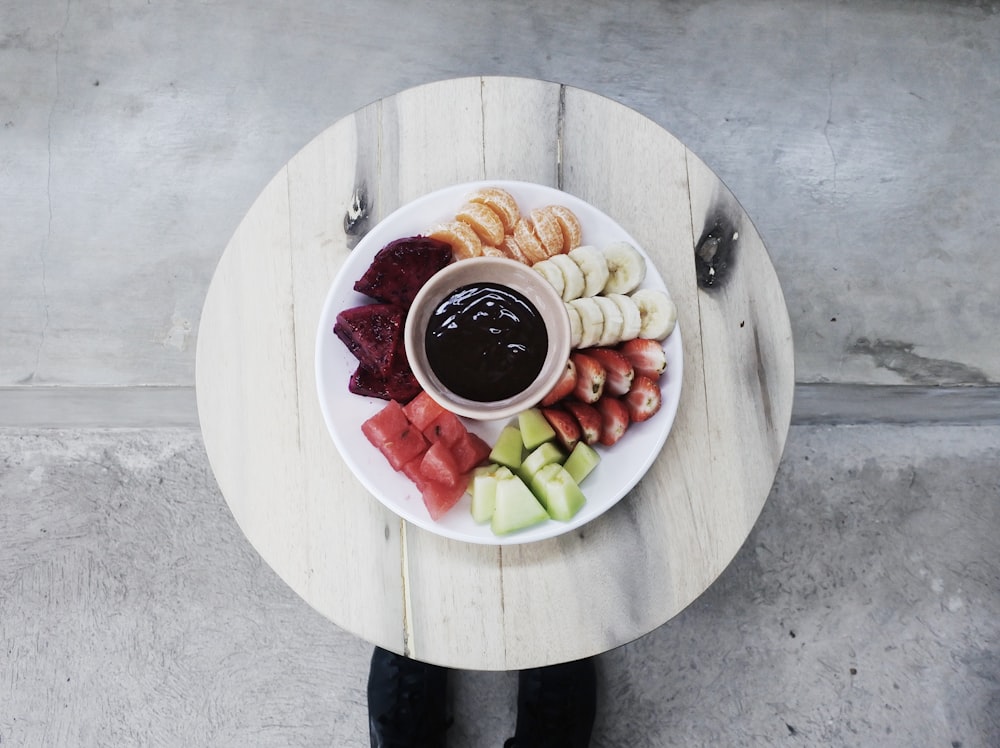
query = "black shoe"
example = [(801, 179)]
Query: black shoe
[(407, 702), (556, 706)]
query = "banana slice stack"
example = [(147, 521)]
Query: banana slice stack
[(601, 290)]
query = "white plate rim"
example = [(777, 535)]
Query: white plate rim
[(343, 412)]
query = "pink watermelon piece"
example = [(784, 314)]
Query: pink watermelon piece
[(387, 424), (470, 451), (422, 410), (447, 428), (438, 465), (409, 444), (440, 497)]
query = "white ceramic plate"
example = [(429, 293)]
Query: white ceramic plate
[(621, 467)]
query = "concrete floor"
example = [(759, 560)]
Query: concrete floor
[(861, 137)]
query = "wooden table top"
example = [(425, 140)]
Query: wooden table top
[(481, 606)]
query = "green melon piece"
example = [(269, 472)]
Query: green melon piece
[(516, 507), (535, 428), (581, 461), (508, 449), (544, 454), (558, 492)]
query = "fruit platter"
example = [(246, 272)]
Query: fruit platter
[(562, 461)]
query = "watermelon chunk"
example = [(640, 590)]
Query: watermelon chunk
[(447, 428), (439, 465), (388, 424), (470, 451), (409, 444), (423, 409), (440, 497)]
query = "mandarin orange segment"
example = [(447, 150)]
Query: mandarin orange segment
[(524, 234), (570, 225), (500, 202), (489, 251), (465, 243), (548, 231), (512, 249), (484, 221)]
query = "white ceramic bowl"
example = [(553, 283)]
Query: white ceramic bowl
[(509, 274)]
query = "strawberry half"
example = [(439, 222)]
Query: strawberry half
[(589, 419), (646, 356), (564, 387), (565, 425), (644, 399), (590, 378), (619, 370), (615, 419)]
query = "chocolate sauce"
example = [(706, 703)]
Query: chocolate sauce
[(486, 342)]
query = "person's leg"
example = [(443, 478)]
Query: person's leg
[(407, 702), (556, 706)]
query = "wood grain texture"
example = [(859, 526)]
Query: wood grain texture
[(483, 607)]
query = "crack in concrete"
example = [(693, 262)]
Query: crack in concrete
[(47, 243), (897, 356)]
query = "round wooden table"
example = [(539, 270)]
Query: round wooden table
[(481, 606)]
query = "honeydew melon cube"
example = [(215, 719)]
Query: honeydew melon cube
[(544, 454), (558, 492), (516, 507), (509, 448), (581, 461), (535, 428), (488, 469), (484, 493)]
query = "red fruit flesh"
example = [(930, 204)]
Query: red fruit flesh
[(439, 465), (588, 418), (590, 378), (396, 384), (615, 419), (620, 372), (470, 451), (387, 424), (423, 409), (644, 399), (564, 387), (646, 356), (372, 333), (440, 497), (565, 425), (401, 268), (447, 428)]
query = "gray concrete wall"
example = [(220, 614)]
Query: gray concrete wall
[(862, 139)]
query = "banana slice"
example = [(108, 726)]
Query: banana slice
[(631, 318), (591, 320), (575, 326), (613, 321), (658, 312), (626, 268), (552, 274), (595, 268), (573, 279)]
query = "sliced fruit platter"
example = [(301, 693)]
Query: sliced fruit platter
[(561, 462)]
